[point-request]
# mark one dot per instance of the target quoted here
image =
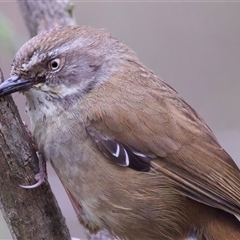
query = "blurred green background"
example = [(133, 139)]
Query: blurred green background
[(193, 46)]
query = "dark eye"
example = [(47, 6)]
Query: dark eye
[(54, 64)]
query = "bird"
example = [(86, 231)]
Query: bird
[(134, 158)]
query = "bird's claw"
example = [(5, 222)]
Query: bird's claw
[(41, 176)]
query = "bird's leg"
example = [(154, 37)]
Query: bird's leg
[(34, 144), (42, 174)]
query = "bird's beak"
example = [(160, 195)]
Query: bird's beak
[(14, 84)]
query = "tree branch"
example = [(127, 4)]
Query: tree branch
[(30, 214), (42, 15)]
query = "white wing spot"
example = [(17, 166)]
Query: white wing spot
[(116, 154), (127, 158), (139, 154)]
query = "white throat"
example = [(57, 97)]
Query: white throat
[(40, 106)]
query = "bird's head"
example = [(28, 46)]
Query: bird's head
[(65, 62)]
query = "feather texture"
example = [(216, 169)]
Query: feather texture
[(158, 123)]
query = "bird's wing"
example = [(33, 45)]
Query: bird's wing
[(159, 131)]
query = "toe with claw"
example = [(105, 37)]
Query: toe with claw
[(41, 176)]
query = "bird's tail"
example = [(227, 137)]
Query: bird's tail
[(222, 227)]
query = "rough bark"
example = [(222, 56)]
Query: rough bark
[(30, 214), (42, 15)]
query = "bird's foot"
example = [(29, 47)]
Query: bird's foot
[(41, 176)]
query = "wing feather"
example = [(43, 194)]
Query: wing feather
[(159, 124)]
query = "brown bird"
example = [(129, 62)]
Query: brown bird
[(133, 156)]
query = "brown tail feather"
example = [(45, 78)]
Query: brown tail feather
[(223, 226)]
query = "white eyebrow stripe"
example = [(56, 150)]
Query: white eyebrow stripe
[(116, 154), (126, 157)]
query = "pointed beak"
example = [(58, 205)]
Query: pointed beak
[(14, 84)]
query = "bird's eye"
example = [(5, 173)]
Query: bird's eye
[(54, 64)]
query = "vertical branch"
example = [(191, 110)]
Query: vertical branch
[(42, 15), (30, 214)]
